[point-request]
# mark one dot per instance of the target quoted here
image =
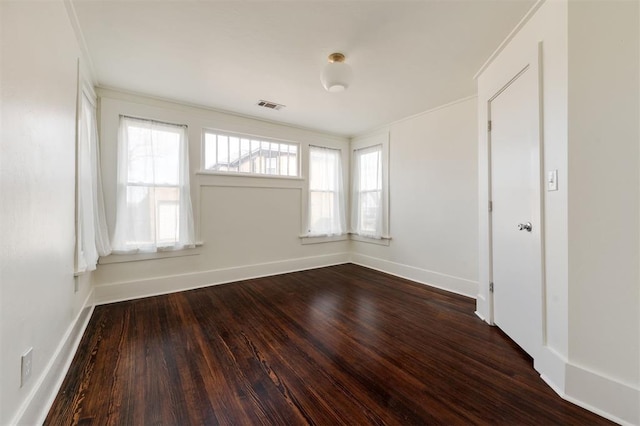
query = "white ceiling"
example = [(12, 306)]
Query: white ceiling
[(407, 56)]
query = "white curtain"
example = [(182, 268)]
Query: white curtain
[(326, 193), (153, 196), (92, 233), (366, 214)]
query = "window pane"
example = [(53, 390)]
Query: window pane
[(167, 218), (140, 215), (293, 160), (369, 210), (152, 157), (367, 219), (234, 154), (325, 177), (370, 173), (224, 153), (210, 159), (322, 211)]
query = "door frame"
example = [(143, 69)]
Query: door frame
[(491, 84)]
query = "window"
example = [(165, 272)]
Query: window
[(367, 210), (92, 237), (230, 153), (153, 201), (326, 195)]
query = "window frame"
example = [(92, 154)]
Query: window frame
[(339, 194), (262, 139), (360, 143), (182, 188)]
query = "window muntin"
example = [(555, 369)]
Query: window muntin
[(232, 153), (326, 198), (153, 201), (367, 192)]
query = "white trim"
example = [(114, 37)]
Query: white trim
[(231, 181), (385, 127), (526, 18), (132, 96), (382, 138), (36, 406), (319, 239), (382, 241), (588, 389), (434, 279), (160, 254), (552, 367), (77, 29), (115, 292), (481, 308), (602, 395)]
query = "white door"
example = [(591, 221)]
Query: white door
[(515, 220)]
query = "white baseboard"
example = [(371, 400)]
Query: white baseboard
[(115, 292), (482, 309), (602, 395), (37, 404), (552, 368), (423, 276), (605, 396)]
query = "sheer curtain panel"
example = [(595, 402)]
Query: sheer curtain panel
[(326, 194), (153, 197), (366, 215), (92, 234)]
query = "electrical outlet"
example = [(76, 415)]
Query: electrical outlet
[(26, 365)]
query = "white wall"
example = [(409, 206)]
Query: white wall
[(590, 97), (38, 306), (433, 201), (249, 226), (604, 206)]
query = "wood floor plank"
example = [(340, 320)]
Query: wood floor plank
[(339, 345)]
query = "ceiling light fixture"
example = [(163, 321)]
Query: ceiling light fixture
[(336, 75)]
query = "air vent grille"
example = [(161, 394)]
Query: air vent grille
[(268, 104)]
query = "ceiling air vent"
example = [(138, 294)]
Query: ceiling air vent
[(269, 104)]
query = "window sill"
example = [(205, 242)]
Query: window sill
[(306, 239), (247, 175), (384, 241), (137, 257)]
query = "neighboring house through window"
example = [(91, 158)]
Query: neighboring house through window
[(241, 154)]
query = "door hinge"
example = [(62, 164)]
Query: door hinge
[(489, 125), (490, 206), (490, 287)]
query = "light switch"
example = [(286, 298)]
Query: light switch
[(552, 180)]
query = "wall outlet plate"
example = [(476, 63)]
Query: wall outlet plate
[(26, 366)]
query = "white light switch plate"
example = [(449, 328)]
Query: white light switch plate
[(552, 180), (26, 365)]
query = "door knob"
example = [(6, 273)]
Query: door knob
[(524, 226)]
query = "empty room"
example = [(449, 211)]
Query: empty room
[(320, 212)]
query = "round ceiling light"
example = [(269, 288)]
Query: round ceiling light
[(336, 75)]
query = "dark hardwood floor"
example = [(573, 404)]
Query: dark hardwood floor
[(338, 345)]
